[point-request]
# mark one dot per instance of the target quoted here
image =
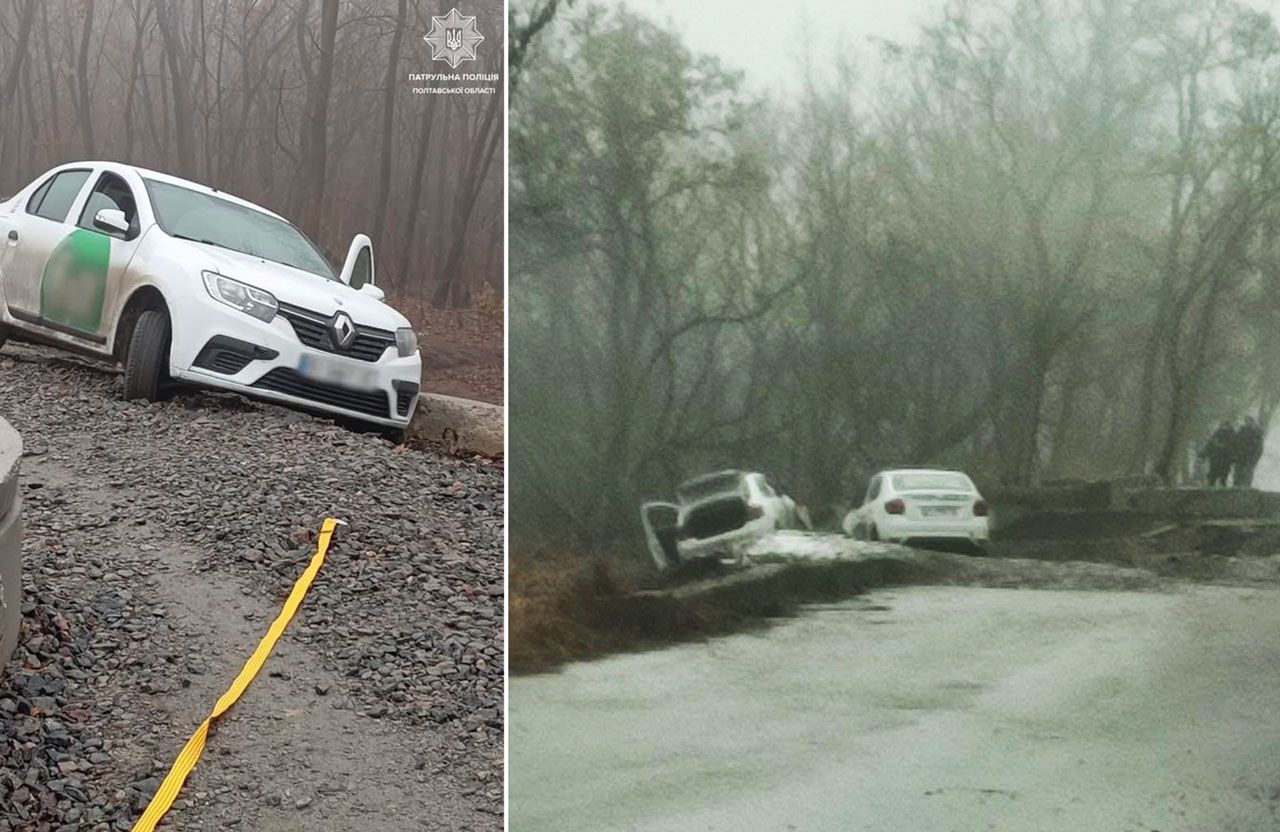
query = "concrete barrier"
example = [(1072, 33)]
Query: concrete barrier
[(1063, 495), (459, 424), (1134, 495), (10, 541), (1200, 503)]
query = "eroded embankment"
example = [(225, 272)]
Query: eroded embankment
[(1095, 536), (562, 613)]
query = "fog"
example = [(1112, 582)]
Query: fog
[(1040, 244), (304, 107)]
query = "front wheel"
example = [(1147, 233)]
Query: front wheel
[(146, 364)]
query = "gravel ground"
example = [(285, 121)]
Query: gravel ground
[(160, 542)]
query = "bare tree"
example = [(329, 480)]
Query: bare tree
[(279, 103), (1040, 245), (313, 151)]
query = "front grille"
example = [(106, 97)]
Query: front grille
[(284, 380), (312, 329)]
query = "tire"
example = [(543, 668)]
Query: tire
[(146, 366), (873, 534)]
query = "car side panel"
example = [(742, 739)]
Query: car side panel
[(156, 264), (30, 241), (119, 253)]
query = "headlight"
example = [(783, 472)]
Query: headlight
[(406, 341), (248, 299)]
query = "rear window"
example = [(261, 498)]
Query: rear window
[(938, 481), (53, 199), (708, 486)]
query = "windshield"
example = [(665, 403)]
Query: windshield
[(938, 480), (708, 485), (189, 214)]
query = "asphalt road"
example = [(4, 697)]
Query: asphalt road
[(923, 708)]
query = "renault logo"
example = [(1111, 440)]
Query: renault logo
[(343, 330)]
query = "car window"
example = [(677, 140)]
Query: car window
[(709, 485), (183, 212), (53, 199), (110, 192), (362, 273), (766, 489), (932, 480), (873, 489)]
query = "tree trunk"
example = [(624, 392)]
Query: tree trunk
[(184, 129), (415, 193), (12, 73), (313, 156), (449, 288), (382, 195)]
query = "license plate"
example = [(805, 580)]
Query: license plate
[(337, 371), (936, 511)]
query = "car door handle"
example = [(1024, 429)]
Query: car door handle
[(13, 234)]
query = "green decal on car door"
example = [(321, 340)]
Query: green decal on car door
[(75, 280)]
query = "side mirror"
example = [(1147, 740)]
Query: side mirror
[(357, 270), (111, 219), (373, 291)]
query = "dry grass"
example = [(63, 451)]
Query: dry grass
[(564, 608), (462, 349), (557, 608), (481, 323)]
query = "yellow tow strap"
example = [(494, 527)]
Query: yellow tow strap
[(168, 791)]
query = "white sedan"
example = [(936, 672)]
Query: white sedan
[(921, 505), (179, 281)]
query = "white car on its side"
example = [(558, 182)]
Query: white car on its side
[(717, 515), (924, 505), (181, 282)]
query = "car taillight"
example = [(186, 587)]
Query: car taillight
[(895, 507), (980, 508), (755, 512)]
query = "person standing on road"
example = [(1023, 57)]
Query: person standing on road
[(1249, 442), (1218, 452)]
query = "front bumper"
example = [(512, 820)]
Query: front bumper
[(216, 346)]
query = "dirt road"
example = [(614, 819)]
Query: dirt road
[(160, 543), (924, 708)]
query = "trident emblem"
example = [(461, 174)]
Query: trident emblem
[(453, 38)]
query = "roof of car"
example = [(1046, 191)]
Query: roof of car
[(161, 176), (892, 471)]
